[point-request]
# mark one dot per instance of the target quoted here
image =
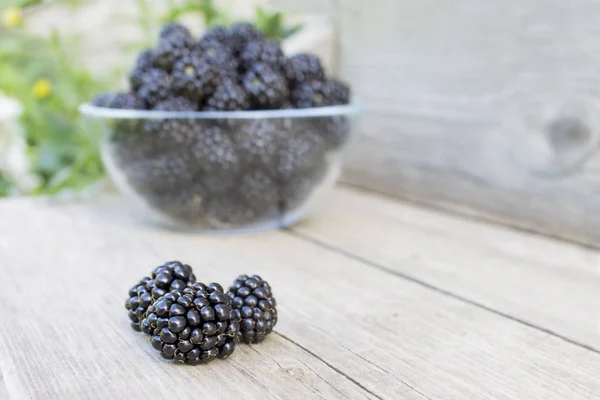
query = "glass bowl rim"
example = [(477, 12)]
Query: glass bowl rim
[(90, 110)]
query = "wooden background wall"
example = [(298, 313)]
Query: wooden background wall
[(490, 108)]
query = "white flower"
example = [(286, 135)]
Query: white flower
[(14, 163)]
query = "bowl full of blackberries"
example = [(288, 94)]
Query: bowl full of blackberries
[(224, 132)]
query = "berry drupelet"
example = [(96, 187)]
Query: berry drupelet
[(253, 304), (170, 276), (193, 325)]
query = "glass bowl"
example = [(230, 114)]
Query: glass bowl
[(224, 171)]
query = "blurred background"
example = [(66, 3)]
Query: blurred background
[(481, 108)]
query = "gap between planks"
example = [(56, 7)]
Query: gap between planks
[(361, 208), (440, 345)]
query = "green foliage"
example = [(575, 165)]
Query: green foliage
[(61, 153), (273, 26), (45, 74)]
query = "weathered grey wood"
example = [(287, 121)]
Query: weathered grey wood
[(394, 338), (550, 284), (485, 107)]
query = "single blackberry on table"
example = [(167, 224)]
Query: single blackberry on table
[(257, 142), (170, 50), (193, 325), (174, 29), (303, 68), (176, 104), (229, 96), (155, 86), (125, 101), (266, 87), (243, 33), (169, 276), (267, 52), (253, 303)]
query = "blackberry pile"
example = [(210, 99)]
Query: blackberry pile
[(191, 322), (223, 173)]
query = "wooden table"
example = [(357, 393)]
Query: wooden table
[(378, 299)]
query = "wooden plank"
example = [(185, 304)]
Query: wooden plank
[(481, 107), (65, 299), (546, 283), (395, 338)]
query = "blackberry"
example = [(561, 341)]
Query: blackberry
[(185, 205), (335, 130), (215, 159), (176, 104), (321, 93), (253, 303), (102, 100), (220, 34), (144, 62), (257, 142), (242, 33), (169, 276), (228, 210), (303, 68), (339, 92), (174, 29), (266, 87), (125, 101), (155, 176), (170, 50), (259, 192), (193, 325), (263, 51), (295, 191), (194, 79), (312, 94), (218, 54), (155, 86), (229, 96), (300, 154)]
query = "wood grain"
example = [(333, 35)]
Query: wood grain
[(480, 107), (550, 284), (346, 329)]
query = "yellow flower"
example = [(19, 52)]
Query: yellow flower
[(42, 89), (12, 17)]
